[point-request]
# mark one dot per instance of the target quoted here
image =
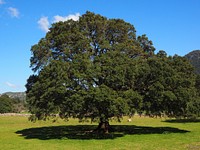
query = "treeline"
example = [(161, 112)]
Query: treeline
[(11, 105)]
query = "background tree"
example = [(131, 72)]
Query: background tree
[(167, 85), (5, 104), (11, 105)]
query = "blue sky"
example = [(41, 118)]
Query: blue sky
[(172, 25)]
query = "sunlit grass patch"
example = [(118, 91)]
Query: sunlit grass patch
[(142, 133)]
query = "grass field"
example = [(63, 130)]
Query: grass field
[(144, 133)]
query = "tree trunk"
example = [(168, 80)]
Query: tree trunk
[(103, 127)]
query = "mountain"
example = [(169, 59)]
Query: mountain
[(20, 95), (194, 58)]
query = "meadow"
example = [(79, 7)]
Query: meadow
[(142, 133)]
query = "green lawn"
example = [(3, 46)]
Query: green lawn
[(18, 133)]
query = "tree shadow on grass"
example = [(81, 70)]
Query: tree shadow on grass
[(183, 121), (82, 132)]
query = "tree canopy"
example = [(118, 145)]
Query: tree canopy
[(98, 68)]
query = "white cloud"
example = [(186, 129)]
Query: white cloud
[(44, 24), (74, 17), (13, 12), (1, 2), (11, 85)]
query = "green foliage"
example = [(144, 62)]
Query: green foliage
[(167, 85), (84, 69), (197, 84), (162, 54), (193, 110), (146, 44), (98, 68), (5, 104), (134, 101)]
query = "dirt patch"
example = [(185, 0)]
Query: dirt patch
[(195, 146)]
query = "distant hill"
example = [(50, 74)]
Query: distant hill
[(194, 58), (20, 95)]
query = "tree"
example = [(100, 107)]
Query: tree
[(167, 85), (11, 105), (162, 54), (151, 84), (5, 104), (146, 44), (97, 68), (85, 69), (183, 84)]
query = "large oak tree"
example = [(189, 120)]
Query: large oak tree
[(97, 68), (85, 69)]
